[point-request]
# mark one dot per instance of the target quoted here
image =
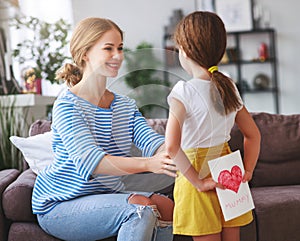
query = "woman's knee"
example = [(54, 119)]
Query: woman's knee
[(163, 204), (140, 199)]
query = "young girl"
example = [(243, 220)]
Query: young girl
[(202, 113)]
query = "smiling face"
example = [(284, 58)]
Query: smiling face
[(106, 56)]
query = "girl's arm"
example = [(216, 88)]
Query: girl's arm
[(252, 138), (173, 142)]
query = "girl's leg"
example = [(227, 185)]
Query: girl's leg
[(227, 234), (96, 217), (231, 234), (210, 237)]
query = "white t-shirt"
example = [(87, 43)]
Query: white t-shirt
[(203, 126)]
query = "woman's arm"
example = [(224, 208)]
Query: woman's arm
[(144, 137), (116, 165), (173, 146), (90, 158), (252, 139)]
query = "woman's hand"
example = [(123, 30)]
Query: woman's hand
[(161, 163)]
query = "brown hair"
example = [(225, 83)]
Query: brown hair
[(87, 32), (202, 36)]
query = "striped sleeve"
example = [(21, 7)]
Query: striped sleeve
[(145, 138), (77, 138)]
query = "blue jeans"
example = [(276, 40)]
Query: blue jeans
[(95, 217)]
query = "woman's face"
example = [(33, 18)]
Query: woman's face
[(106, 56)]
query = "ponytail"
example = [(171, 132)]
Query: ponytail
[(223, 92)]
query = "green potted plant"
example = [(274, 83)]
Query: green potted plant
[(143, 76), (46, 50), (11, 124)]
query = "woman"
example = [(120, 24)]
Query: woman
[(80, 196)]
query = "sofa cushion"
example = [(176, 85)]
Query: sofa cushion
[(36, 150), (159, 125), (279, 158), (16, 199), (277, 212), (39, 127), (33, 232), (28, 231)]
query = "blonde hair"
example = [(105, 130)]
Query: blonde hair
[(87, 32), (203, 37)]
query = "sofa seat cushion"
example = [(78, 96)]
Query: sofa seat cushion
[(277, 212), (28, 231), (16, 199), (33, 232)]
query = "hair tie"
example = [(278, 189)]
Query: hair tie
[(213, 69)]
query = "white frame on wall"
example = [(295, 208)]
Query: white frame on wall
[(237, 15), (204, 5)]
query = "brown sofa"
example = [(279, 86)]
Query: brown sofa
[(275, 186)]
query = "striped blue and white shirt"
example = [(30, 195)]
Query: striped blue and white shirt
[(82, 134)]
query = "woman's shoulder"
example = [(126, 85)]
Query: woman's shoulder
[(66, 96), (124, 99), (66, 101)]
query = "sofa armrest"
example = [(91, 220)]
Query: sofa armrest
[(6, 177), (20, 189)]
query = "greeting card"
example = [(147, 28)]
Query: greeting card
[(236, 199)]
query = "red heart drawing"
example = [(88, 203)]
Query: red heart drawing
[(231, 180)]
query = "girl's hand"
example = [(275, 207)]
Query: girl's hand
[(208, 184), (247, 176), (161, 163)]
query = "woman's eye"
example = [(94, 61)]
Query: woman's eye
[(108, 48), (120, 48)]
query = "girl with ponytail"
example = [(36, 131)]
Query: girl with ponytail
[(202, 113)]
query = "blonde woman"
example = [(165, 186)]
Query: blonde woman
[(80, 197)]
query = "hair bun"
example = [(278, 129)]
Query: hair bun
[(70, 73)]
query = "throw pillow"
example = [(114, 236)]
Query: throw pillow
[(36, 150)]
